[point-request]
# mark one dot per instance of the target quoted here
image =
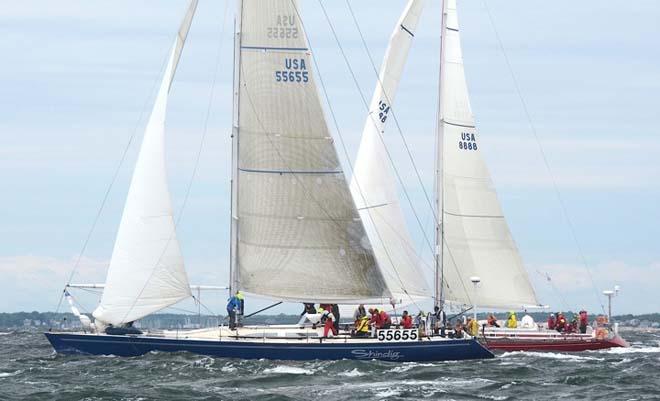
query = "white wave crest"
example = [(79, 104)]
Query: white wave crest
[(9, 374), (551, 355), (351, 373), (633, 350), (291, 370)]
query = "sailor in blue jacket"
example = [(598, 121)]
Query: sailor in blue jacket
[(233, 305)]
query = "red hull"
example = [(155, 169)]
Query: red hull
[(564, 344)]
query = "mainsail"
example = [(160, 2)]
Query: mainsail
[(373, 185), (146, 272), (298, 234), (477, 241)]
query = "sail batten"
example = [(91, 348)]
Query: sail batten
[(298, 234), (146, 272), (476, 240)]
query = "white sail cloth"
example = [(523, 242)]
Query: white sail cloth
[(477, 241), (146, 272), (373, 184), (300, 237)]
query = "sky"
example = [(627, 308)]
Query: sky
[(78, 80)]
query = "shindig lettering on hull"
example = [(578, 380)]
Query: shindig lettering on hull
[(368, 354)]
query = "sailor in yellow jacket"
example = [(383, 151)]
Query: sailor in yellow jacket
[(512, 322)]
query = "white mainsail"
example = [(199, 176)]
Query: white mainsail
[(373, 185), (146, 272), (299, 235), (477, 241)]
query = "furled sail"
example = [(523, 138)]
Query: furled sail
[(477, 241), (146, 272), (300, 237), (373, 185)]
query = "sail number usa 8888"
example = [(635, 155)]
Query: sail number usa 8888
[(467, 142)]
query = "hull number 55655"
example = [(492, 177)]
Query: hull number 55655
[(397, 335)]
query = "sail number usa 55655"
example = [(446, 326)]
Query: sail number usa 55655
[(293, 70)]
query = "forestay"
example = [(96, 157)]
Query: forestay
[(300, 237), (146, 272), (477, 241), (373, 185)]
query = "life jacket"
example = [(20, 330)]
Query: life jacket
[(551, 323), (406, 322), (362, 325), (512, 322)]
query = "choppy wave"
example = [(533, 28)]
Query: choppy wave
[(30, 370)]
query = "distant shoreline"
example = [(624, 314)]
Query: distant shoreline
[(46, 320)]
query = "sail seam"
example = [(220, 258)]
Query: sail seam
[(273, 48), (250, 170), (373, 206)]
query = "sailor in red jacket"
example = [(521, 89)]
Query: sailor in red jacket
[(385, 320), (551, 322), (406, 320), (375, 318)]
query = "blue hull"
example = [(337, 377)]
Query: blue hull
[(104, 344)]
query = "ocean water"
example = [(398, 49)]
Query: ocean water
[(30, 370)]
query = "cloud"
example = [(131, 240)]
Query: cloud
[(570, 285), (36, 282)]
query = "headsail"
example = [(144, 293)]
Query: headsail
[(146, 272), (373, 185), (477, 241), (299, 235)]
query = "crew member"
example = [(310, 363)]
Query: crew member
[(385, 319), (375, 318), (584, 321), (329, 324), (359, 313), (406, 320), (473, 327), (492, 321), (458, 330), (561, 322), (361, 327), (241, 308), (512, 321), (552, 323), (233, 305), (309, 309), (440, 318), (335, 312)]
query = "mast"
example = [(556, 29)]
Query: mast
[(439, 171), (233, 252)]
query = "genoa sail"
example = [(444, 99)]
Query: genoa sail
[(477, 240), (299, 235), (146, 272), (373, 184)]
